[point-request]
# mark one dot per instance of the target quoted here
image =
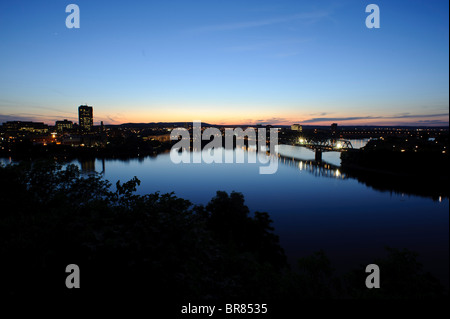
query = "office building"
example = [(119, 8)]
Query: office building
[(85, 117), (29, 127), (296, 127), (334, 128), (65, 125)]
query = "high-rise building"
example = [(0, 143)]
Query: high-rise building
[(85, 117), (296, 127), (334, 128)]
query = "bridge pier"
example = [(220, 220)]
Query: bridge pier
[(318, 156)]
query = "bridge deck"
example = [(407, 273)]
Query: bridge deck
[(326, 146)]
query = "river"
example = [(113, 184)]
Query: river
[(312, 207)]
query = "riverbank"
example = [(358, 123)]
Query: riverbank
[(418, 173)]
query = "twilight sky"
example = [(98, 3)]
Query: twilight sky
[(226, 62)]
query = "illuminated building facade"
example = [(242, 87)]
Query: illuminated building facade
[(63, 125), (85, 117)]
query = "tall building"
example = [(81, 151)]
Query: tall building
[(85, 117), (334, 128)]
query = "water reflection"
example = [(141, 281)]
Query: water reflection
[(6, 160), (318, 169), (359, 143), (88, 165)]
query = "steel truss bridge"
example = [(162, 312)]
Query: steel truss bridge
[(324, 145)]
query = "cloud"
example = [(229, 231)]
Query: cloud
[(15, 105), (117, 118), (353, 118), (309, 17), (341, 119), (288, 47), (320, 114), (6, 118), (27, 117), (433, 122), (268, 121), (287, 54)]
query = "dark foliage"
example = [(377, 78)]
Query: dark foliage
[(160, 244)]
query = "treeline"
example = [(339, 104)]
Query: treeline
[(123, 147), (413, 166), (161, 246)]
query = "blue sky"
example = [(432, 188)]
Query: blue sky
[(234, 62)]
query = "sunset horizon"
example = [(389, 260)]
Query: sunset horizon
[(317, 119), (231, 63)]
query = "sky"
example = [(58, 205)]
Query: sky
[(226, 62)]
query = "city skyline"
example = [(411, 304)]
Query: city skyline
[(229, 63)]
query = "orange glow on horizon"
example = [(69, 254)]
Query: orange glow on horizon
[(244, 116)]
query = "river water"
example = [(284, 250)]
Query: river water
[(312, 207)]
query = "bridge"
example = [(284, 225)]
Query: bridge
[(324, 145)]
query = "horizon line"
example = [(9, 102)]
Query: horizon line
[(437, 125)]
